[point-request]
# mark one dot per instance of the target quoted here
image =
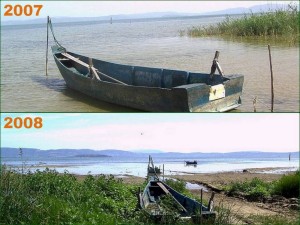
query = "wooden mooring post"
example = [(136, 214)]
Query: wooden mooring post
[(272, 80), (254, 104), (48, 18), (163, 172)]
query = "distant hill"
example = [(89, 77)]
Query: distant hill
[(150, 15), (58, 153), (253, 9)]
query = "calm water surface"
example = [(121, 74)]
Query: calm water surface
[(137, 166), (24, 86)]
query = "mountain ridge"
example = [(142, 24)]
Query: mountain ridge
[(150, 15), (36, 153)]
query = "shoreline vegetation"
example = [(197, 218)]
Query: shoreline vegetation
[(281, 25), (49, 197)]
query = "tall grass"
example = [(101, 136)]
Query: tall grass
[(257, 189), (283, 23), (288, 186), (48, 197)]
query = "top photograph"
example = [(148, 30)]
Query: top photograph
[(150, 56)]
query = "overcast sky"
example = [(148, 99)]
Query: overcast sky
[(167, 132), (104, 8)]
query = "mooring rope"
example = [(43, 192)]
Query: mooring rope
[(52, 31), (49, 24)]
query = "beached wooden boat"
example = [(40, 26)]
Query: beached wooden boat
[(152, 201), (160, 200), (191, 162), (149, 89)]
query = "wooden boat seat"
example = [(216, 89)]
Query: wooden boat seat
[(63, 59), (95, 72)]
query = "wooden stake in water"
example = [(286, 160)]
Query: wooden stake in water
[(163, 172), (47, 45), (254, 104), (272, 81)]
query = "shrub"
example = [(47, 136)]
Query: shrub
[(177, 185), (47, 197), (254, 190), (288, 185)]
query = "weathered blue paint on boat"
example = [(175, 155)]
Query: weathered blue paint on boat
[(150, 199), (149, 89)]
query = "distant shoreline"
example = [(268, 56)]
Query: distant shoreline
[(265, 170), (76, 20)]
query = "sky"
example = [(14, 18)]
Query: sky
[(105, 8), (176, 132)]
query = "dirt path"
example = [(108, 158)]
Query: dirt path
[(239, 209)]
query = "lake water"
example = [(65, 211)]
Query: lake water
[(137, 165), (153, 43)]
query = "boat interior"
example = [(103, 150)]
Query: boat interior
[(157, 189), (136, 75)]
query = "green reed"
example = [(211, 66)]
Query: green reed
[(281, 24)]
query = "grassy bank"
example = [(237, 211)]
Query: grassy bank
[(281, 24), (51, 198), (47, 197), (257, 189)]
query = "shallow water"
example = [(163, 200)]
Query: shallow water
[(24, 86), (137, 166)]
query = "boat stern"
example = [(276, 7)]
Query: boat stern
[(216, 96)]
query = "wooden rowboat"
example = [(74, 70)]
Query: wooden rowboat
[(152, 201), (149, 89), (160, 200)]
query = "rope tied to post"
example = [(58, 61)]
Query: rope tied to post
[(49, 25), (52, 31)]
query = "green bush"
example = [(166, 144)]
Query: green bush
[(253, 190), (48, 197), (288, 186), (177, 185), (256, 189)]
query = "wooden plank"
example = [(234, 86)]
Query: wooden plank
[(95, 73), (75, 59), (93, 69), (163, 187), (219, 68), (109, 77), (167, 192)]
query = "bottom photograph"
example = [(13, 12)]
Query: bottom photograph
[(149, 168)]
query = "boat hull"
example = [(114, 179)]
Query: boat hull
[(153, 194), (192, 97)]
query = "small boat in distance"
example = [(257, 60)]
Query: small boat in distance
[(159, 200), (191, 162), (149, 89)]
